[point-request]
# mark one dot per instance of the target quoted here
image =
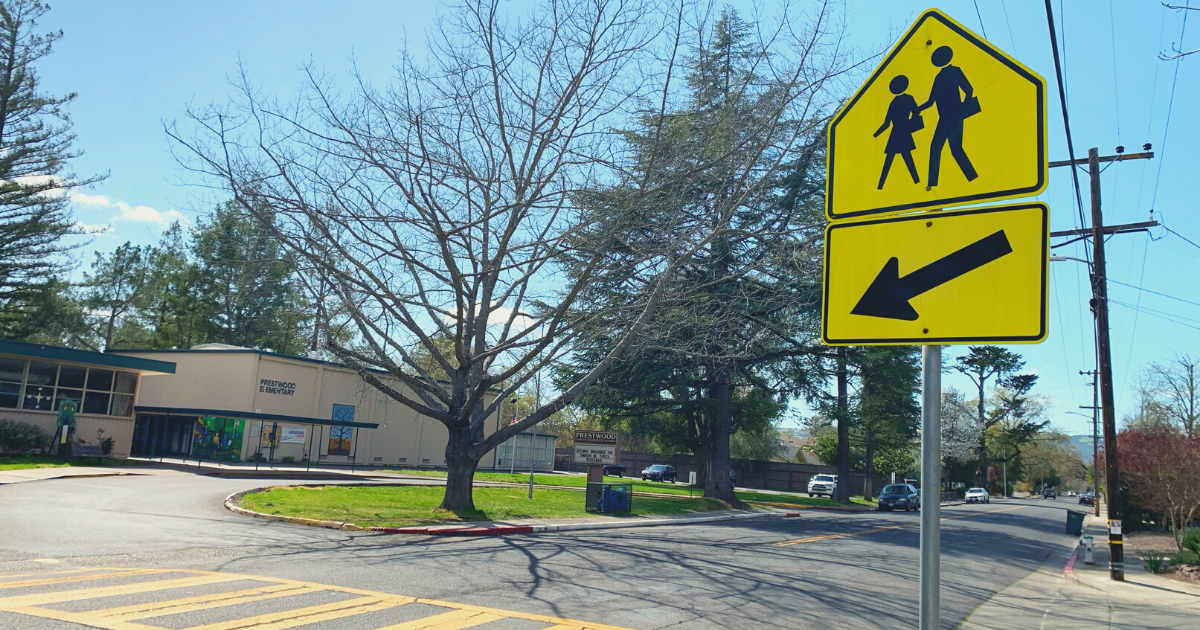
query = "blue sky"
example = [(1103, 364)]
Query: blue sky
[(138, 64)]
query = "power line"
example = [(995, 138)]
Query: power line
[(1151, 311), (1062, 97), (1170, 104), (1012, 41), (1178, 299), (1190, 241), (980, 18), (1155, 315), (1112, 33)]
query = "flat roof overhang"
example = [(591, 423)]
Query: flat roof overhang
[(87, 357), (245, 415)]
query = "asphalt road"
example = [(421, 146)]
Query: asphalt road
[(821, 570)]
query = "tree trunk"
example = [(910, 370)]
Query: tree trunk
[(869, 467), (841, 491), (461, 461), (717, 483)]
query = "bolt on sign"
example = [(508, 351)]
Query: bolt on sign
[(597, 447), (947, 119), (975, 275)]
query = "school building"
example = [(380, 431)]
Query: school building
[(227, 403)]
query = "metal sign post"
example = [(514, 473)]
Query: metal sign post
[(931, 496)]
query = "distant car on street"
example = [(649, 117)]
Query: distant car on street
[(1087, 498), (659, 472), (978, 495), (614, 470), (822, 484), (1049, 493), (1070, 493), (899, 495)]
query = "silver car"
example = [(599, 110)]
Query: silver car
[(978, 495)]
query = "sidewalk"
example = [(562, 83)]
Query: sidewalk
[(1053, 598), (39, 474)]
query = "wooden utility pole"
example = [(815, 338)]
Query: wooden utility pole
[(1116, 545), (1095, 374)]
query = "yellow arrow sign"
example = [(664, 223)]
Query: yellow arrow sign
[(964, 276), (947, 119)]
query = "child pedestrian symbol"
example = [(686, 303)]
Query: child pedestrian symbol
[(904, 118), (952, 111)]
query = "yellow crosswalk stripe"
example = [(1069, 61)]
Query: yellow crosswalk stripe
[(79, 578), (199, 602), (39, 599), (4, 578), (453, 620), (309, 614), (459, 616)]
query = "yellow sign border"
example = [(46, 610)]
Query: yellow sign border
[(1044, 316), (1004, 58)]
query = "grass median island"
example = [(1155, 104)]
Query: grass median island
[(398, 506), (579, 481)]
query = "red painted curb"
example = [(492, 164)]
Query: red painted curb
[(456, 531)]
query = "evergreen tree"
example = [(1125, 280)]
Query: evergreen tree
[(247, 284), (114, 289), (737, 330), (35, 154)]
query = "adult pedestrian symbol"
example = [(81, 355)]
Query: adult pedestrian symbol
[(966, 120), (961, 276)]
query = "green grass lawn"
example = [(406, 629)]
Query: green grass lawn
[(398, 506), (45, 461), (580, 481)]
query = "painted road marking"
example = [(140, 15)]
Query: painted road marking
[(458, 617), (883, 529)]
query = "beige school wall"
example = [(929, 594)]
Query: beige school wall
[(86, 425), (251, 381)]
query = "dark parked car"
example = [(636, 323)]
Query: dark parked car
[(899, 495), (659, 472), (1049, 493), (1087, 498), (614, 470)]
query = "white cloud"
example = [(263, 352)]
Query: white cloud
[(126, 212), (88, 228), (499, 317)]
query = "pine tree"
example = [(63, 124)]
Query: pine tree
[(35, 153)]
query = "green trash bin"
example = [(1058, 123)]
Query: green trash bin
[(1075, 522)]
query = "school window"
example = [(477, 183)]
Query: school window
[(47, 385)]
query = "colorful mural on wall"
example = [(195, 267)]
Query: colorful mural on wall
[(339, 440), (218, 438)]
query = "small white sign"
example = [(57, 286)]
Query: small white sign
[(293, 436), (1114, 527)]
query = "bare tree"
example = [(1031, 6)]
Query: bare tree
[(439, 210), (1175, 389)]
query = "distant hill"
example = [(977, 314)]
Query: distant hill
[(1083, 444)]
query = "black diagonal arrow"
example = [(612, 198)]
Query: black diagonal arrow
[(889, 294)]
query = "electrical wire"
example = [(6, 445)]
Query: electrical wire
[(1062, 97), (1171, 297), (1151, 311), (1162, 148), (1112, 33), (1157, 316), (1190, 241), (980, 18), (1011, 41)]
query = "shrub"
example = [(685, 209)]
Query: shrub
[(1154, 561), (17, 438), (1187, 557), (288, 459), (1190, 540)]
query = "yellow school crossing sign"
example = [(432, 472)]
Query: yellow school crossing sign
[(963, 276), (947, 119)]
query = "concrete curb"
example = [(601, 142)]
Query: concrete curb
[(233, 507), (828, 508), (443, 530), (452, 530), (83, 476)]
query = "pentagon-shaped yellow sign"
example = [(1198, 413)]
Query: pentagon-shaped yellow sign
[(947, 119)]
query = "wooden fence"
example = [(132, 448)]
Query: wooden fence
[(782, 476)]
